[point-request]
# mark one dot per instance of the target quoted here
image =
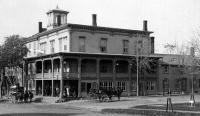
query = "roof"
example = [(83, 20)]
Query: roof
[(58, 10), (92, 55), (175, 59), (87, 28)]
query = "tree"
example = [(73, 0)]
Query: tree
[(142, 62), (12, 53)]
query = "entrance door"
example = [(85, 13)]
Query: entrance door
[(89, 85)]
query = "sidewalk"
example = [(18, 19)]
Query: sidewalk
[(128, 102)]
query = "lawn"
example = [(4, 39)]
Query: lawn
[(177, 106), (180, 109)]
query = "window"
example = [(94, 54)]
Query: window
[(165, 84), (165, 69), (151, 85), (134, 86), (106, 85), (52, 45), (125, 46), (103, 45), (60, 44), (43, 47), (62, 41), (139, 46), (65, 47), (199, 83), (34, 47), (81, 44), (121, 85), (29, 47)]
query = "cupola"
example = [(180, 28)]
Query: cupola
[(56, 17)]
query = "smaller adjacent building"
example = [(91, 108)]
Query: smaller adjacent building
[(176, 72)]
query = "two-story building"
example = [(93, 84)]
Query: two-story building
[(82, 57)]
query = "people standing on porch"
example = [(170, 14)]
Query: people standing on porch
[(67, 91), (57, 91)]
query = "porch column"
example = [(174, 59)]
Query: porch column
[(129, 78), (159, 80), (52, 86), (25, 74), (42, 77), (61, 77), (79, 77), (114, 73), (97, 72)]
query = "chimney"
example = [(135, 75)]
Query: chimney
[(40, 27), (94, 20), (145, 25), (152, 45)]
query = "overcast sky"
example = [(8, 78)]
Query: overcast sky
[(170, 20)]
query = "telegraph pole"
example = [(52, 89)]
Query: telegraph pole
[(192, 100), (137, 66)]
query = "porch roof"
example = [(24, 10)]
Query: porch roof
[(95, 55)]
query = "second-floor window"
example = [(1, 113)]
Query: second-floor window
[(52, 45), (139, 47), (81, 44), (125, 46), (43, 47), (29, 47), (60, 44), (103, 45), (165, 69)]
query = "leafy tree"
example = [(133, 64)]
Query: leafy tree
[(12, 53)]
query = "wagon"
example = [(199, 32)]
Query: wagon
[(16, 94)]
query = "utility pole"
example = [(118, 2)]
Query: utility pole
[(192, 100), (137, 66)]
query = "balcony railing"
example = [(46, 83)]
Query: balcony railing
[(38, 75), (70, 75), (106, 75), (89, 75), (121, 75)]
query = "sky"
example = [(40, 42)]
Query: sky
[(172, 21)]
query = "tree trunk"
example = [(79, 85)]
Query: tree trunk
[(1, 88), (1, 82)]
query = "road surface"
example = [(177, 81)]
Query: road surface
[(39, 109)]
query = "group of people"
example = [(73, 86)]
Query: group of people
[(28, 96), (69, 92)]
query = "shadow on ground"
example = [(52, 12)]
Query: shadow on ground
[(42, 114)]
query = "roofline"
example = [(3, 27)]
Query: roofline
[(88, 28), (57, 10)]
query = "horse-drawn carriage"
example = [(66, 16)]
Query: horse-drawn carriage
[(103, 93), (17, 94)]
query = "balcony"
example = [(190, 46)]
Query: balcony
[(38, 76), (122, 75), (106, 76), (88, 76), (47, 75), (68, 75)]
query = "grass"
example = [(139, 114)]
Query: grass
[(148, 112), (180, 109), (178, 106)]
